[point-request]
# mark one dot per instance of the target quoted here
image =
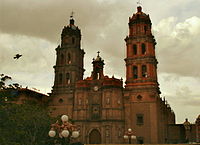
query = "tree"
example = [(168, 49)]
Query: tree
[(24, 124), (3, 79), (7, 90)]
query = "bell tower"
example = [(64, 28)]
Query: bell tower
[(68, 69), (141, 63), (69, 63), (141, 86)]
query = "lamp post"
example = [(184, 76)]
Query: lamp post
[(129, 135), (65, 130)]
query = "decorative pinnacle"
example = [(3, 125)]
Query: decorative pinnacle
[(71, 18), (98, 53)]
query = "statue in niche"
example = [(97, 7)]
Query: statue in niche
[(119, 132), (119, 102), (86, 101), (95, 112), (107, 100), (79, 101), (107, 133), (96, 100)]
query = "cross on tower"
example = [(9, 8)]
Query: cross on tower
[(138, 2), (72, 14)]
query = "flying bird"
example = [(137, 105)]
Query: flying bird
[(17, 56)]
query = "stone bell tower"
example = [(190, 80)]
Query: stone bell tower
[(141, 63), (68, 68), (69, 63), (141, 89)]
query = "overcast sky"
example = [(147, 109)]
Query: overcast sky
[(32, 28)]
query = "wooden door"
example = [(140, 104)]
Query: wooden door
[(95, 137)]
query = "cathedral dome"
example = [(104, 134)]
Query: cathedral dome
[(71, 29), (98, 58), (139, 17)]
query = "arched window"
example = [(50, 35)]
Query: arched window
[(98, 76), (143, 48), (138, 29), (140, 119), (68, 78), (69, 58), (73, 40), (145, 29), (60, 78), (138, 16), (144, 71), (135, 72), (134, 49)]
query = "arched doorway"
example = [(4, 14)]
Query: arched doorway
[(94, 137)]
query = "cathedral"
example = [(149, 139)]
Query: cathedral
[(101, 106)]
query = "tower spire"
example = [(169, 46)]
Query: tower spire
[(98, 53), (139, 7)]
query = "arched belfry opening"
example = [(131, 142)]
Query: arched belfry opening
[(69, 58), (95, 137)]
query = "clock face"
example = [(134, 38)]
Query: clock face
[(96, 88)]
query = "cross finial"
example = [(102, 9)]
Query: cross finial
[(98, 53), (72, 14), (139, 3)]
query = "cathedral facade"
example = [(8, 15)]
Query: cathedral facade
[(101, 106)]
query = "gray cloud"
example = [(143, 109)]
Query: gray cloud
[(182, 93), (34, 68), (178, 46)]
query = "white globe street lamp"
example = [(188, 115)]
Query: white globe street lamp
[(75, 134), (133, 137), (65, 129), (52, 133), (64, 118), (125, 136), (129, 135), (65, 133)]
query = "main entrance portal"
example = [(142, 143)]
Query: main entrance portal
[(94, 137)]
